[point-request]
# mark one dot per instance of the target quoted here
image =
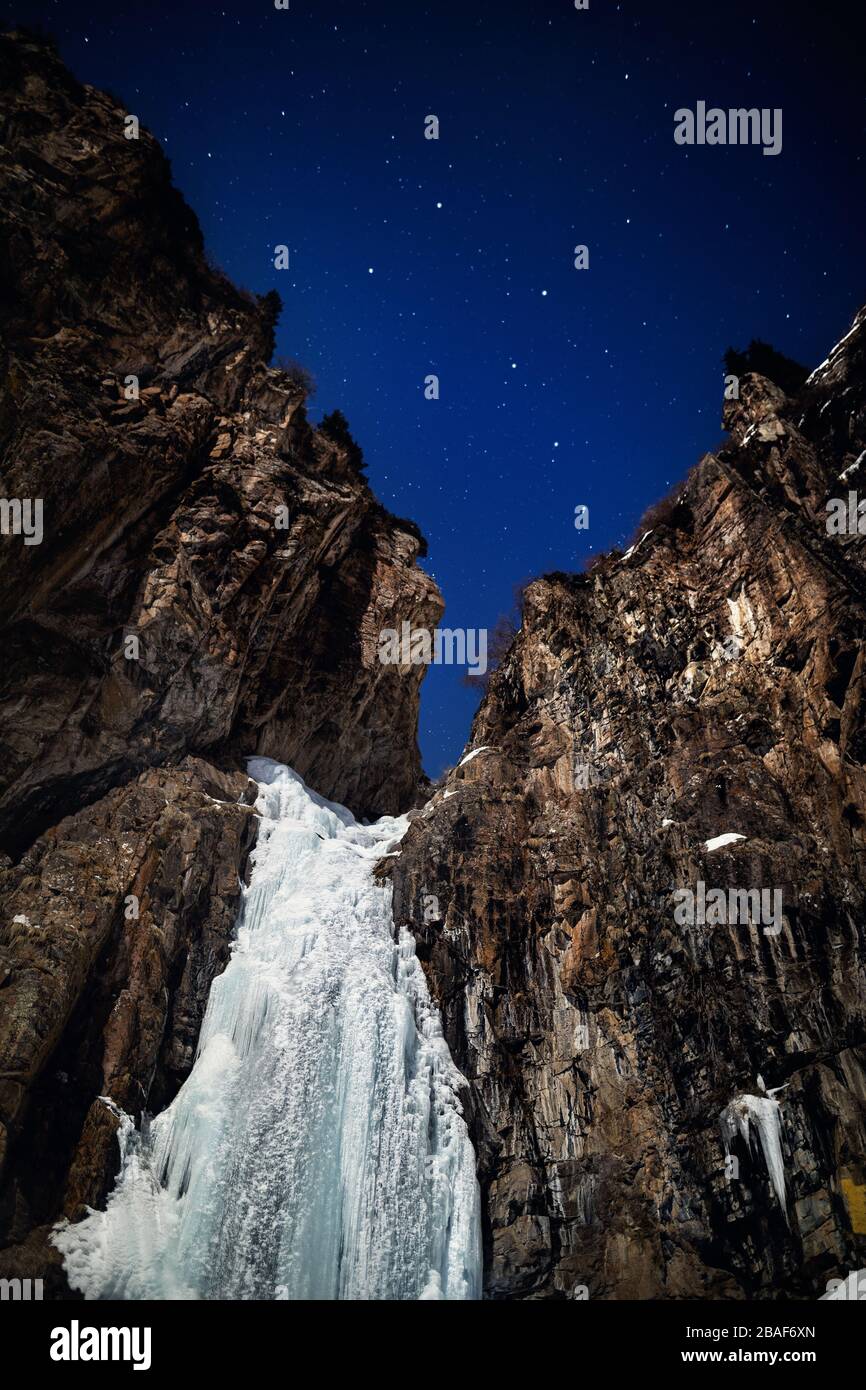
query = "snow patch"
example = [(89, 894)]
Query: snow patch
[(819, 370), (720, 841), (485, 748), (632, 548), (852, 467)]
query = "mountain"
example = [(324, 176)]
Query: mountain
[(211, 583), (638, 900), (691, 712)]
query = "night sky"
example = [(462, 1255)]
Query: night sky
[(411, 256)]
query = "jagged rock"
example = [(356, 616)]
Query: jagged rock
[(211, 583), (692, 710), (709, 682), (115, 923), (161, 518)]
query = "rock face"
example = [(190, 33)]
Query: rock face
[(708, 684), (211, 581), (212, 577), (115, 923), (161, 514)]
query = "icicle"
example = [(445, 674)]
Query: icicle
[(317, 1149), (764, 1111)]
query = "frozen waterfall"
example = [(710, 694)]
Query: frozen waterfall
[(317, 1149)]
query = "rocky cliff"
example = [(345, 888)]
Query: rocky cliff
[(211, 581), (660, 1108), (691, 712)]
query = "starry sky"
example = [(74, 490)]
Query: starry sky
[(455, 257)]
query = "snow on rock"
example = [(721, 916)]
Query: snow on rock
[(764, 1113), (821, 368), (485, 748), (729, 837), (852, 467), (632, 548), (317, 1149)]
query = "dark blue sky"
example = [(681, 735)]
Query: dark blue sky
[(558, 386)]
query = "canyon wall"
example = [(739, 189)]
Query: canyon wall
[(707, 685), (211, 581)]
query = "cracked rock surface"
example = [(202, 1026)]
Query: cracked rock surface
[(211, 583), (707, 685)]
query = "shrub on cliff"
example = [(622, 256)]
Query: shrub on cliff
[(300, 377), (664, 512), (600, 560), (499, 643), (762, 358), (336, 427)]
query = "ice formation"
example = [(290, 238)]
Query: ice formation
[(317, 1149), (765, 1114)]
